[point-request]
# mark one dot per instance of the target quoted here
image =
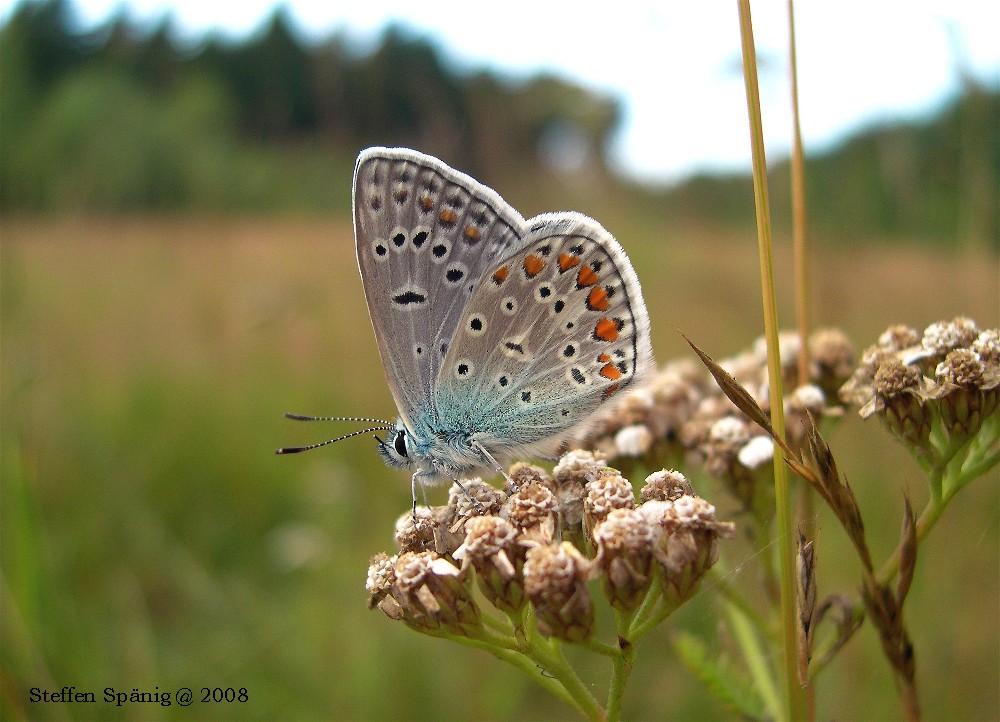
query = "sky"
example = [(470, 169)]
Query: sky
[(674, 65)]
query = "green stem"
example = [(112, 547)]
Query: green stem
[(622, 670), (983, 452), (545, 659), (753, 653), (599, 647), (978, 467), (664, 610), (496, 639), (542, 659), (641, 614), (527, 665), (499, 625), (794, 696), (550, 657), (950, 451), (946, 480)]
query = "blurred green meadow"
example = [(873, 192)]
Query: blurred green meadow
[(177, 270), (151, 538)]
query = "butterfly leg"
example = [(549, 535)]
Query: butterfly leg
[(413, 493), (492, 462), (475, 502)]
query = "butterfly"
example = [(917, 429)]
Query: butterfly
[(500, 337)]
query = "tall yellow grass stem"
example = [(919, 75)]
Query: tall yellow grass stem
[(786, 548), (798, 181), (801, 262)]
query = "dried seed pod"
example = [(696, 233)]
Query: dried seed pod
[(555, 581)]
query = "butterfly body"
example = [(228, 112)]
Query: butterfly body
[(499, 336)]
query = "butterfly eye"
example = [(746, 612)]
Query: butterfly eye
[(399, 443)]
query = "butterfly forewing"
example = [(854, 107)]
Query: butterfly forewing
[(424, 233), (552, 330)]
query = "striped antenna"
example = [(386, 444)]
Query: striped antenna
[(297, 449), (301, 417)]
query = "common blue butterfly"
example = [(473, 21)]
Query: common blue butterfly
[(499, 336)]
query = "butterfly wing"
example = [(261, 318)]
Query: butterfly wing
[(552, 330), (424, 233)]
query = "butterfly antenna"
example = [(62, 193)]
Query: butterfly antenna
[(301, 417), (297, 449)]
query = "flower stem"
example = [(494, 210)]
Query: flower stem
[(622, 670), (946, 480), (542, 660), (977, 467), (663, 610), (550, 657), (599, 647), (645, 609), (527, 665)]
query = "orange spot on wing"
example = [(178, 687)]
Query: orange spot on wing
[(533, 265), (586, 277), (603, 358), (426, 203), (500, 275), (610, 371), (597, 299), (472, 233), (607, 330), (567, 261), (610, 390), (448, 215)]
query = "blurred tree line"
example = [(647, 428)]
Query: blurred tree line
[(126, 118), (936, 180)]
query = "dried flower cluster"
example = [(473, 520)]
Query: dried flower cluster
[(933, 390), (540, 541), (680, 414), (538, 550)]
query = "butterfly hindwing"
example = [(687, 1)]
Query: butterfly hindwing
[(551, 331)]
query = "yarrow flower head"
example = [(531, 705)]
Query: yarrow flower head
[(492, 546), (424, 590), (832, 358), (681, 416), (940, 338), (555, 581), (665, 485), (966, 389), (688, 542), (606, 493), (932, 389), (579, 466), (625, 540), (523, 561), (533, 510), (420, 529)]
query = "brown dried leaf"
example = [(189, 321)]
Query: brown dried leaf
[(805, 603), (734, 390), (838, 493), (887, 616), (807, 473)]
